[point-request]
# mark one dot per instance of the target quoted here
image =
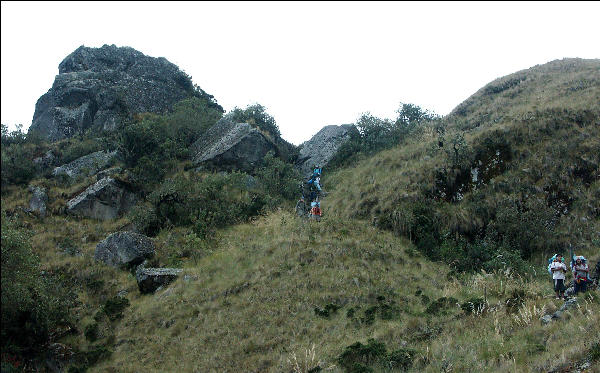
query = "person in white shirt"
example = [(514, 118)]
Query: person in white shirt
[(558, 269)]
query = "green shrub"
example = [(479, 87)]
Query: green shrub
[(441, 305), (77, 147), (595, 352), (17, 164), (373, 134), (91, 332), (401, 358), (473, 305), (515, 300), (33, 303), (329, 309), (358, 353), (203, 202), (114, 307)]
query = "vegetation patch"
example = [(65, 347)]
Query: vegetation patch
[(329, 309), (363, 358), (114, 307)]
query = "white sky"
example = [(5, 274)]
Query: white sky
[(310, 64)]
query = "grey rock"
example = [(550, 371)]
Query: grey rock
[(109, 172), (124, 249), (323, 146), (101, 87), (150, 279), (87, 165), (231, 146), (38, 200), (569, 303), (570, 291), (45, 161), (104, 200)]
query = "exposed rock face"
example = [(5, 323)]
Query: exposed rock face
[(106, 199), (231, 146), (124, 249), (321, 148), (150, 279), (87, 165), (98, 87), (37, 203)]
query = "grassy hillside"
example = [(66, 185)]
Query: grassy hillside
[(430, 256), (523, 149)]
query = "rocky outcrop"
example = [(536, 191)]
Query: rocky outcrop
[(107, 199), (87, 165), (100, 87), (150, 279), (322, 147), (124, 249), (231, 146), (38, 201)]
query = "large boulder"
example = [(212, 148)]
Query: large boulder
[(87, 165), (231, 146), (106, 199), (150, 279), (100, 87), (124, 249), (323, 146), (38, 200)]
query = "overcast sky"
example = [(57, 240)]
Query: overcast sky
[(309, 64)]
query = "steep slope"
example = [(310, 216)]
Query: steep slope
[(527, 142), (351, 289)]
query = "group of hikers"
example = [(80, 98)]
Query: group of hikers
[(309, 204), (580, 270)]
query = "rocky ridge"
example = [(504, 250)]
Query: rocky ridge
[(100, 87)]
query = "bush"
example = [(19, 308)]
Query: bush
[(360, 358), (374, 134), (358, 353), (91, 332), (278, 179), (402, 358), (114, 307), (201, 202), (329, 309), (256, 116), (17, 164), (151, 144), (441, 305), (74, 148), (33, 303), (473, 305)]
